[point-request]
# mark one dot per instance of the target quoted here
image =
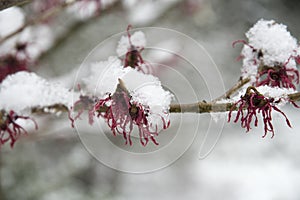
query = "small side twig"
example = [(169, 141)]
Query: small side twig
[(233, 89)]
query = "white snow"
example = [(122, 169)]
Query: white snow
[(39, 38), (250, 64), (85, 9), (10, 20), (144, 88), (24, 90), (267, 91), (147, 90), (275, 92), (103, 77), (138, 40), (275, 43)]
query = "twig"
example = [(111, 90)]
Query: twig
[(9, 3), (199, 107), (294, 97), (232, 90)]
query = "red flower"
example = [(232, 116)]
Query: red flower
[(133, 57), (253, 103), (84, 103), (10, 64), (9, 129), (121, 114), (278, 76)]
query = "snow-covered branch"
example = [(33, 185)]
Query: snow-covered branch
[(9, 3), (123, 91)]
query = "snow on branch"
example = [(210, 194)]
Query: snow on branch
[(122, 91)]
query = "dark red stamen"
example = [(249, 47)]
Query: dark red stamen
[(250, 105)]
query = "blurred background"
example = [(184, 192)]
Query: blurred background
[(55, 162)]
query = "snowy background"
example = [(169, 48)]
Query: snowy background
[(53, 162)]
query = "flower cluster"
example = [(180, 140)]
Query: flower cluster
[(124, 95), (10, 130), (270, 56), (253, 103), (270, 59)]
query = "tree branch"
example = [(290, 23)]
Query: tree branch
[(9, 3), (199, 107)]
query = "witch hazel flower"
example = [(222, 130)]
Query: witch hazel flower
[(123, 111), (253, 103), (278, 76), (10, 130), (128, 98), (10, 64), (85, 102), (270, 55), (121, 114), (130, 47)]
